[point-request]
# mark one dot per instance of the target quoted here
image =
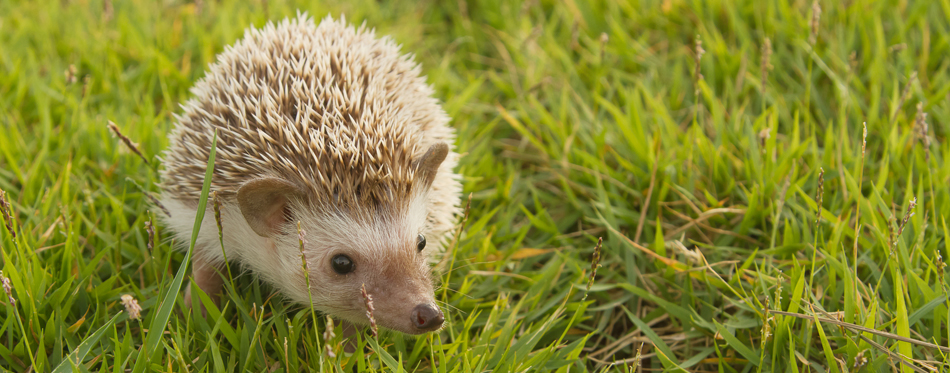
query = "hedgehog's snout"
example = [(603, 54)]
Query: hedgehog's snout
[(427, 317)]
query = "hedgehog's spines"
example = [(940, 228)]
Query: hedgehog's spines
[(329, 107)]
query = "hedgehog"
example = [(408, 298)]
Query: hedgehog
[(329, 131)]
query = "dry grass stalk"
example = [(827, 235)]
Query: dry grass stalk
[(7, 288), (595, 263), (70, 74), (904, 360), (368, 301), (907, 215), (7, 215), (128, 142), (859, 361), (698, 52), (302, 240), (132, 306), (216, 205), (328, 334), (638, 358), (769, 318), (150, 230), (286, 355), (861, 329), (891, 223)]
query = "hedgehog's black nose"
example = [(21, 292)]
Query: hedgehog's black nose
[(427, 317)]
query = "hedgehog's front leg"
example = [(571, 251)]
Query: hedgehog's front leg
[(207, 277)]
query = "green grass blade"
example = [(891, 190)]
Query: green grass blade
[(826, 347), (160, 320), (736, 344), (82, 350)]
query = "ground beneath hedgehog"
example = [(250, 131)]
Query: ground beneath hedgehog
[(329, 127)]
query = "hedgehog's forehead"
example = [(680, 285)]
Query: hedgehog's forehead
[(366, 224), (380, 235)]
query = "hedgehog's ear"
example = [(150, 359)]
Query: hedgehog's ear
[(429, 163), (263, 203)]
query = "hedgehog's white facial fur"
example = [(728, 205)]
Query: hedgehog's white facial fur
[(331, 124), (384, 256), (384, 252)]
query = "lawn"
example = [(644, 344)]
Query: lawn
[(768, 181)]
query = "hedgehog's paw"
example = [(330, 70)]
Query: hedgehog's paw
[(208, 278)]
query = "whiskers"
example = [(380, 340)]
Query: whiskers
[(446, 304), (451, 307), (460, 266), (442, 287)]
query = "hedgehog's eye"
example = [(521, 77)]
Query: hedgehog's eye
[(342, 264), (422, 242)]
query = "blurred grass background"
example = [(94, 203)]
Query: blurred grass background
[(724, 184)]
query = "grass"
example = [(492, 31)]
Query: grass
[(747, 223)]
